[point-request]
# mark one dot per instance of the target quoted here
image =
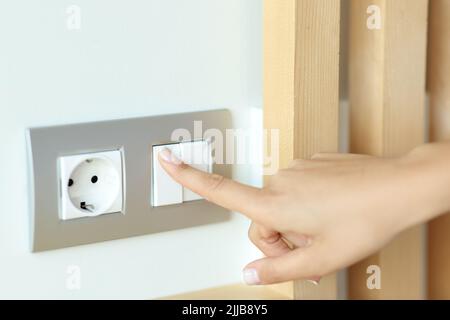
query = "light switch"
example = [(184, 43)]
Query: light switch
[(165, 190), (198, 155)]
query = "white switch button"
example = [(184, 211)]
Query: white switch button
[(165, 190), (198, 155)]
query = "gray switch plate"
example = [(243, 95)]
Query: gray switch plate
[(135, 138)]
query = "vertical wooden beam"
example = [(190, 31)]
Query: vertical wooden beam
[(387, 102), (301, 88), (439, 91), (279, 73), (316, 99)]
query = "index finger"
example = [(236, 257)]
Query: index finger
[(224, 192)]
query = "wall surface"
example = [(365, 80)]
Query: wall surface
[(129, 59)]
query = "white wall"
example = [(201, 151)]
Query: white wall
[(130, 58)]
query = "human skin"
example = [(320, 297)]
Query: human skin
[(321, 215)]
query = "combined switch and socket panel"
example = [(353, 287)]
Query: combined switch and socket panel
[(102, 181)]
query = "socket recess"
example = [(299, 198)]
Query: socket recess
[(90, 184)]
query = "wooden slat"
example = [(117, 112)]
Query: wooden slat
[(387, 98), (279, 73), (439, 91), (301, 88)]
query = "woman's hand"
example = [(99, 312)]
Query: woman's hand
[(324, 214)]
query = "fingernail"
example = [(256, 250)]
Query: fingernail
[(169, 157), (250, 276)]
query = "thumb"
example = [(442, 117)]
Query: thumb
[(300, 263)]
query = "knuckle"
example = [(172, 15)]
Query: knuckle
[(215, 182), (182, 170), (273, 201), (279, 177)]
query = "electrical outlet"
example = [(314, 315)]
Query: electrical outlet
[(90, 184)]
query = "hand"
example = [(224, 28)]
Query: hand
[(324, 214)]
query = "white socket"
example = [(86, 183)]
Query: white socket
[(91, 184)]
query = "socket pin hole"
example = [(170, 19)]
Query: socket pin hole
[(70, 183), (94, 179)]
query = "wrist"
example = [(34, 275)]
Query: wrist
[(427, 169)]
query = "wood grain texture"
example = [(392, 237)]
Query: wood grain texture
[(301, 89), (317, 100), (279, 73), (387, 102), (233, 292), (317, 77), (438, 84)]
